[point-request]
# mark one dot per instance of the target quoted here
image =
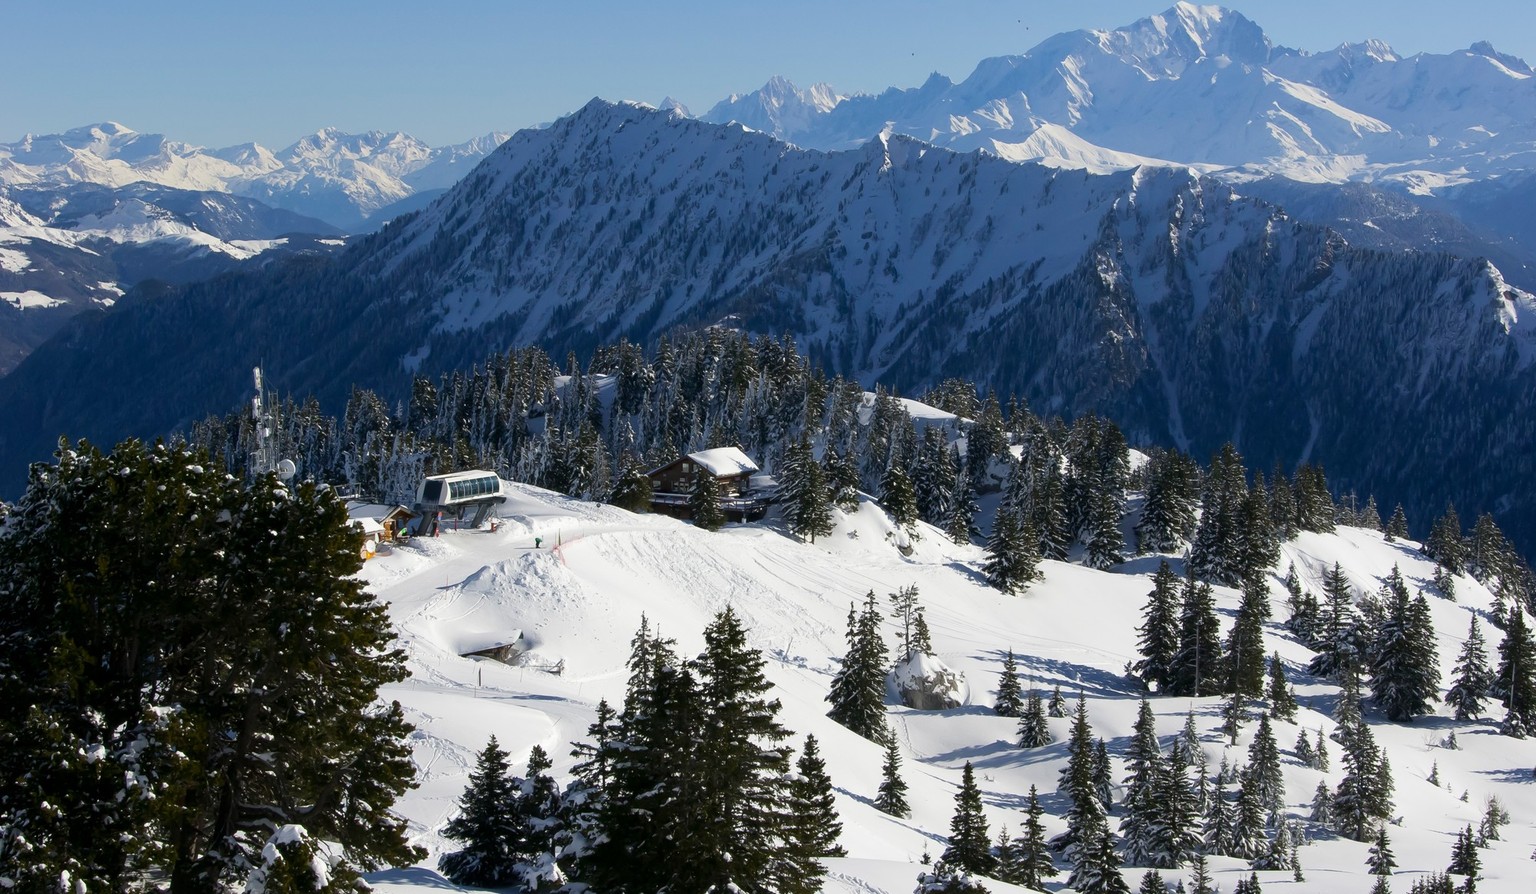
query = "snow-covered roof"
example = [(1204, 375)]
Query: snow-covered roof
[(367, 525), (723, 461)]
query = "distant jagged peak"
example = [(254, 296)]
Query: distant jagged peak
[(669, 104), (1513, 63)]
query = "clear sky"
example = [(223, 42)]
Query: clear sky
[(218, 73)]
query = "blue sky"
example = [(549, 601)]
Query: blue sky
[(219, 73)]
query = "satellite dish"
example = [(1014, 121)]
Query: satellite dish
[(286, 469)]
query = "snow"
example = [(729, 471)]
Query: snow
[(724, 461), (13, 261), (579, 599), (29, 300)]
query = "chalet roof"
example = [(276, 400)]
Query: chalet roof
[(724, 461)]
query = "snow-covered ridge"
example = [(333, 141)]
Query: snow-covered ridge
[(1197, 85), (340, 177)]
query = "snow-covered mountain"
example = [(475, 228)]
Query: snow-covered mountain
[(1185, 312), (575, 608), (338, 177), (1197, 85)]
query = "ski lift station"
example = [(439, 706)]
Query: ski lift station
[(458, 495)]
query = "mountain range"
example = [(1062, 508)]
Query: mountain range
[(1193, 303)]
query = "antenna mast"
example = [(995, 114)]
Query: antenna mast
[(264, 420)]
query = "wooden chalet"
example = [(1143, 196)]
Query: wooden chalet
[(673, 483)]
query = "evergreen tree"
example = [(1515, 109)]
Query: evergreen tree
[(1176, 834), (1370, 517), (1103, 783), (631, 487), (1245, 642), (1159, 632), (1009, 693), (1077, 785), (1220, 820), (970, 843), (145, 614), (961, 522), (1472, 675), (892, 796), (1264, 766), (1322, 806), (1338, 651), (1282, 701), (1406, 668), (1380, 859), (1012, 555), (1034, 732), (1215, 554), (812, 824), (804, 494), (858, 688), (1249, 840), (1196, 668), (1058, 705), (1034, 854), (1305, 615), (743, 771), (1143, 785), (1233, 714), (488, 823), (1514, 681), (1282, 849), (1200, 877), (1152, 883), (897, 497), (1096, 865), (704, 502), (1363, 798), (1445, 544), (842, 480), (1464, 858), (1397, 526)]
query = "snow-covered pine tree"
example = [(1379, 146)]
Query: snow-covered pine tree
[(892, 795), (1268, 779), (933, 476), (970, 843), (1215, 554), (1034, 732), (960, 524), (1363, 798), (897, 497), (1012, 556), (1176, 834), (1159, 632), (842, 480), (704, 502), (1304, 617), (1010, 701), (1096, 865), (1472, 676), (1405, 675), (803, 492), (1370, 516), (1196, 668), (1397, 525), (1220, 818), (1338, 651), (489, 824), (1077, 783), (811, 827), (858, 688), (1380, 858), (1249, 838), (1445, 545), (1143, 785), (1034, 854), (1282, 700), (1464, 859), (1244, 654), (1322, 806), (1057, 707), (1514, 682)]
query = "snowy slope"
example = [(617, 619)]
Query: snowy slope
[(579, 602)]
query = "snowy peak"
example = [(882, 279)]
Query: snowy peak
[(339, 177), (778, 107)]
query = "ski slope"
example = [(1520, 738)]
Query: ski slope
[(579, 599)]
